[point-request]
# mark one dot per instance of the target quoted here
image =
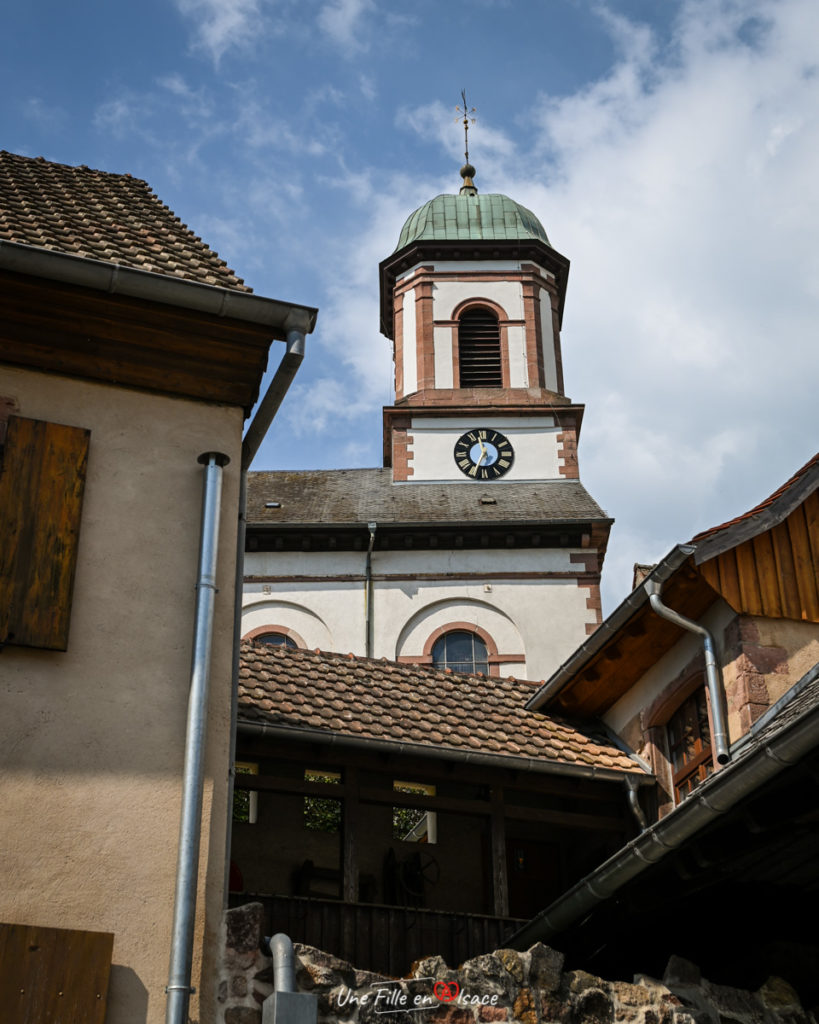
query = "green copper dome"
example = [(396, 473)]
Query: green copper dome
[(480, 217)]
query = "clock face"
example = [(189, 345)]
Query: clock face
[(484, 454)]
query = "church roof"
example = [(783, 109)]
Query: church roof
[(413, 704), (101, 216), (491, 217), (355, 496)]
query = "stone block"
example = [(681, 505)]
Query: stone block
[(512, 962), (778, 994), (523, 1009), (545, 968), (243, 1015), (592, 1006), (244, 927), (493, 1013), (680, 971)]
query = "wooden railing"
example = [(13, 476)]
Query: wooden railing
[(380, 938)]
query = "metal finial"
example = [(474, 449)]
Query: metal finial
[(467, 171)]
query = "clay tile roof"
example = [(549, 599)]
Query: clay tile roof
[(348, 496), (102, 216), (412, 704)]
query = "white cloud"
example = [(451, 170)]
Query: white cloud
[(686, 196), (345, 23), (222, 25)]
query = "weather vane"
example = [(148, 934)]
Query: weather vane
[(465, 112)]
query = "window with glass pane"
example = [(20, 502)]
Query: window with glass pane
[(689, 745), (461, 651), (277, 640)]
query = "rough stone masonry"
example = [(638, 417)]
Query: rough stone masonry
[(504, 986)]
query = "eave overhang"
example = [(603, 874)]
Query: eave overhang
[(627, 643), (105, 322)]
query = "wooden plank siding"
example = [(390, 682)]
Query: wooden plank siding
[(60, 328), (53, 975), (380, 938), (776, 573), (41, 489)]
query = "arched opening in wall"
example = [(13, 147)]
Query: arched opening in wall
[(276, 636), (479, 349), (461, 651)]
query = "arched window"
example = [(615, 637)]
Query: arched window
[(461, 651), (276, 640), (689, 745), (479, 349)]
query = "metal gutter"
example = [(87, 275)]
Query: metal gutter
[(117, 279), (618, 618), (714, 797), (398, 748), (181, 957)]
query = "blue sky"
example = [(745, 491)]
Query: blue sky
[(670, 147)]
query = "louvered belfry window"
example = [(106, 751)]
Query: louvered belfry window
[(479, 349)]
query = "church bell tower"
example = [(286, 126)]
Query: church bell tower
[(472, 299)]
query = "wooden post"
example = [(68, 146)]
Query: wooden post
[(349, 864), (500, 886)]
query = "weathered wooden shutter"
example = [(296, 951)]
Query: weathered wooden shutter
[(53, 975), (41, 487)]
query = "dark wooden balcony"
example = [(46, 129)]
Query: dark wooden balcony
[(381, 938)]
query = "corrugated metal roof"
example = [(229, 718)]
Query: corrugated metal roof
[(350, 496)]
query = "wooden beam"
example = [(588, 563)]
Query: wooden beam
[(500, 884), (349, 860)]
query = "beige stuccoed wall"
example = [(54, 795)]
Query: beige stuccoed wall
[(92, 740)]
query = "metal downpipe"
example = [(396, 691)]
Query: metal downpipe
[(368, 593), (284, 963), (179, 974), (712, 674)]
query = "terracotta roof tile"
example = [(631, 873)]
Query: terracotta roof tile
[(102, 216), (412, 703)]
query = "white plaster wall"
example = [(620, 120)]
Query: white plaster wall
[(542, 618), (548, 339), (476, 612), (260, 609), (533, 438), (518, 371), (442, 344), (271, 566), (668, 667), (92, 739), (410, 344), (447, 295)]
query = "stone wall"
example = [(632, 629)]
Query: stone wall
[(505, 986)]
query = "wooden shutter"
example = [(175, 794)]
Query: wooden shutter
[(53, 975), (41, 487)]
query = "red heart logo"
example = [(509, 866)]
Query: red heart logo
[(446, 993)]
